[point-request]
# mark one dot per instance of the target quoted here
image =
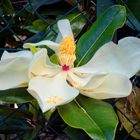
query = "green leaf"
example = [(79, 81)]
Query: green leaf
[(37, 37), (39, 24), (134, 7), (95, 117), (16, 95), (54, 59), (37, 3), (14, 120), (31, 28), (49, 113), (132, 22), (76, 134), (100, 33), (103, 5), (7, 7), (133, 19), (5, 111), (77, 21), (31, 135), (75, 116)]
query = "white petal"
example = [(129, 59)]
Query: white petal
[(78, 79), (95, 81), (132, 45), (113, 86), (41, 65), (45, 89), (14, 69), (59, 38), (65, 28), (123, 58), (20, 54), (13, 72), (52, 45)]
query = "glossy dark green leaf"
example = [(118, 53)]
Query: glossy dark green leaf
[(5, 111), (7, 7), (53, 11), (132, 20), (33, 5), (37, 3), (30, 135), (17, 95), (100, 33), (76, 134), (54, 59), (76, 117), (133, 15), (14, 120), (77, 21), (103, 5), (134, 7), (38, 25), (37, 37), (95, 117), (31, 29)]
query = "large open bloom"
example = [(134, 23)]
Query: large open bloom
[(106, 75)]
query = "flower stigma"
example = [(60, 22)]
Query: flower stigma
[(65, 68), (66, 53)]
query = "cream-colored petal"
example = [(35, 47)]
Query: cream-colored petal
[(20, 54), (13, 72), (52, 45), (132, 45), (113, 86), (78, 79), (65, 28), (123, 58), (59, 38), (95, 81), (51, 92), (42, 66)]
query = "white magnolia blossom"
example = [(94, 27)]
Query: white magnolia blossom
[(106, 75)]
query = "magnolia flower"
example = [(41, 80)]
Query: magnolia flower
[(106, 75)]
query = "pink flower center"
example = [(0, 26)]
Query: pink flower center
[(65, 68)]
